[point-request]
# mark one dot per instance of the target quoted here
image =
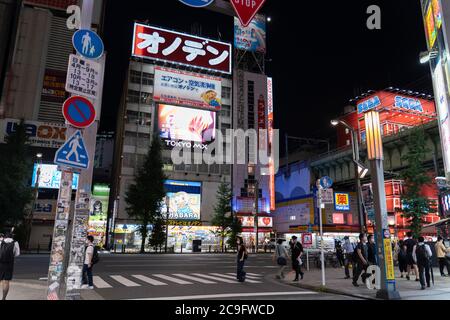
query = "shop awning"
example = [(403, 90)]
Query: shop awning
[(431, 228)]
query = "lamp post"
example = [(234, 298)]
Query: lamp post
[(375, 156), (256, 212), (360, 171), (167, 221)]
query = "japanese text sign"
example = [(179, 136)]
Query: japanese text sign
[(185, 88), (342, 201), (83, 77), (165, 45), (390, 272)]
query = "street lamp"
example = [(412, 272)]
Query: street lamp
[(426, 56), (360, 170), (167, 220), (384, 248)]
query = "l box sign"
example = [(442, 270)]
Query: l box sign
[(246, 9)]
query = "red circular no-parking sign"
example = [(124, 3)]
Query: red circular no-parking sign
[(79, 112)]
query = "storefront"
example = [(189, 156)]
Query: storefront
[(265, 231)]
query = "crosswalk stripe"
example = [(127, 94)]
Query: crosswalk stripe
[(149, 280), (214, 278), (234, 277), (100, 283), (248, 276), (254, 274), (125, 281), (172, 279), (179, 275)]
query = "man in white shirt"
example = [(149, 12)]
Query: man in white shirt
[(9, 249), (422, 255), (348, 248), (87, 267)]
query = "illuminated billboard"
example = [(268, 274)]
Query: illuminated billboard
[(186, 88), (50, 177), (180, 48), (253, 37), (185, 199), (98, 213), (342, 201), (185, 124)]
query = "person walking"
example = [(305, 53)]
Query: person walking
[(402, 258), (422, 255), (281, 256), (340, 254), (88, 282), (371, 250), (9, 250), (241, 257), (348, 248), (441, 252), (296, 254), (361, 259), (409, 242)]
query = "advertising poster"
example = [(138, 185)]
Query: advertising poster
[(50, 177), (437, 13), (342, 201), (270, 124), (98, 213), (253, 37), (185, 199), (247, 221), (302, 209), (186, 88), (390, 272), (185, 124), (181, 48), (53, 89), (265, 222), (431, 27)]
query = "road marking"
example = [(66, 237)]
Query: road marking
[(214, 278), (254, 274), (43, 279), (100, 283), (248, 276), (125, 281), (168, 278), (233, 277), (194, 278), (149, 280), (232, 295)]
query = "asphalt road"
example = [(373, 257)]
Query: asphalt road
[(180, 277)]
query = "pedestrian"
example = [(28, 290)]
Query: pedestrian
[(88, 282), (281, 256), (402, 258), (340, 254), (241, 257), (409, 242), (348, 248), (296, 254), (422, 255), (371, 250), (9, 250), (441, 252), (361, 259)]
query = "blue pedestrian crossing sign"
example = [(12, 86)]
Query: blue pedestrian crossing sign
[(88, 44), (73, 153)]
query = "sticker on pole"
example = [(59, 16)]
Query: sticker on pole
[(79, 112), (73, 153), (88, 44)]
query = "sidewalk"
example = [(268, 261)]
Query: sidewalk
[(37, 290), (335, 283)]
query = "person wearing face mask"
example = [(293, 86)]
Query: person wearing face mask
[(362, 260), (241, 257)]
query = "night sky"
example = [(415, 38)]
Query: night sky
[(322, 54)]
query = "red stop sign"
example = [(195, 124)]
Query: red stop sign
[(246, 9)]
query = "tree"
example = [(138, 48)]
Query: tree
[(16, 169), (235, 230), (222, 212), (415, 206), (145, 195), (158, 236)]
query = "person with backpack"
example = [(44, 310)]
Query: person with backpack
[(296, 252), (360, 257), (9, 250), (348, 248), (422, 255), (281, 256), (241, 257), (90, 258)]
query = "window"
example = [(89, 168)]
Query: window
[(133, 96), (146, 98), (135, 77), (147, 79), (225, 113), (225, 126), (226, 93), (129, 160), (130, 139), (132, 117), (292, 218)]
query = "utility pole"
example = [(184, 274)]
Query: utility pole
[(256, 212)]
